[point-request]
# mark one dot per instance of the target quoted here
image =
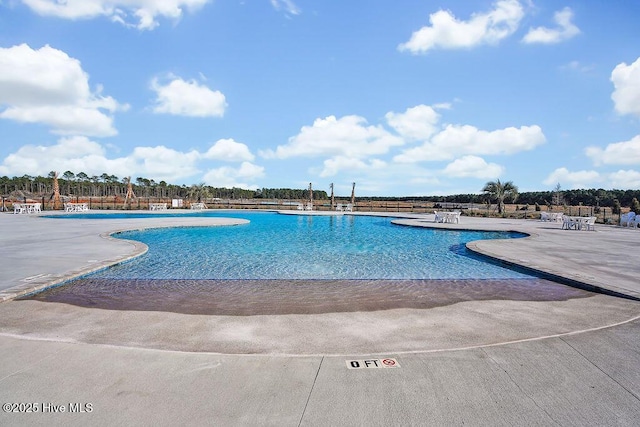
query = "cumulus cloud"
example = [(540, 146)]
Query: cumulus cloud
[(345, 142), (625, 179), (473, 167), (68, 154), (447, 32), (565, 29), (348, 136), (456, 140), (626, 95), (416, 123), (187, 98), (46, 86), (619, 153), (163, 163), (141, 14), (80, 154), (229, 177), (577, 179), (230, 151), (339, 163)]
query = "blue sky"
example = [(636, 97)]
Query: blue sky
[(405, 98)]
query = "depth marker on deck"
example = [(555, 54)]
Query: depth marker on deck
[(373, 363)]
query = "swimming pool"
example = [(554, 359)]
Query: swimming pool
[(274, 246), (299, 264)]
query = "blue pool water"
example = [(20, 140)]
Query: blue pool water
[(289, 264), (274, 246)]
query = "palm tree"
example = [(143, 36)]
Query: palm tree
[(199, 191), (501, 191)]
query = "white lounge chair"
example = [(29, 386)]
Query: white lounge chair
[(348, 208), (157, 206), (439, 217), (627, 219), (18, 208), (454, 217), (308, 207), (198, 206), (588, 223), (339, 207), (544, 216)]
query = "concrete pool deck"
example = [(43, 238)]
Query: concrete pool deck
[(571, 362)]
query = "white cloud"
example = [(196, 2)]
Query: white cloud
[(619, 153), (348, 136), (229, 151), (578, 179), (625, 179), (577, 66), (79, 154), (48, 87), (144, 12), (289, 6), (626, 95), (72, 153), (564, 31), (346, 143), (234, 177), (337, 164), (473, 167), (188, 98), (416, 123), (447, 32), (457, 140), (163, 163)]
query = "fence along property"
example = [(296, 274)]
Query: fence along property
[(604, 215)]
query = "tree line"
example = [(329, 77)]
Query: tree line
[(106, 185), (587, 197)]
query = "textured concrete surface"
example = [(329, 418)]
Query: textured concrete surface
[(572, 362)]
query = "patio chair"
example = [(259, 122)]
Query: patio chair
[(569, 223), (339, 207), (588, 223), (556, 217), (544, 216), (439, 217), (348, 208), (18, 208)]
